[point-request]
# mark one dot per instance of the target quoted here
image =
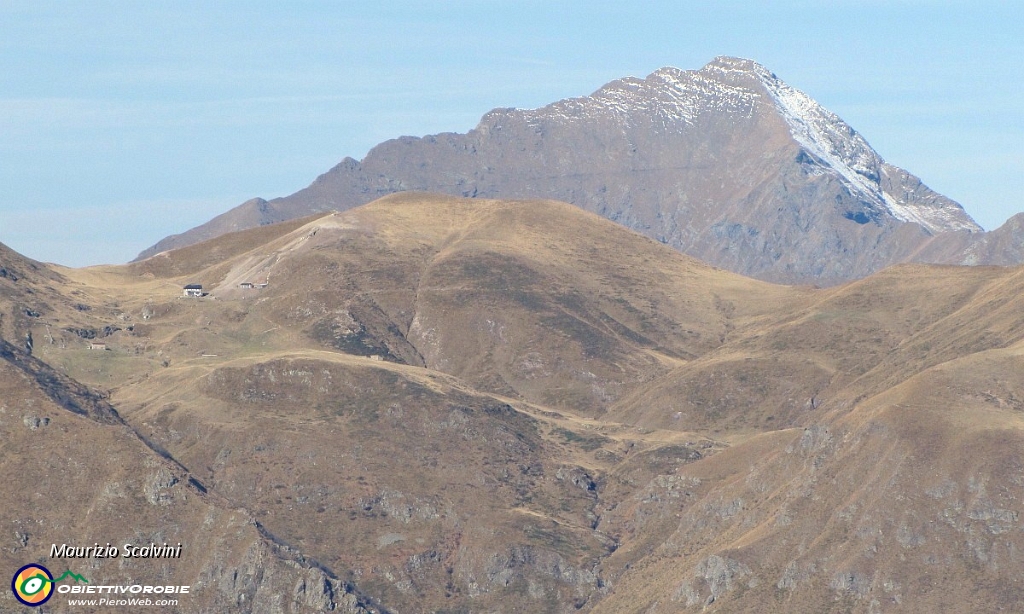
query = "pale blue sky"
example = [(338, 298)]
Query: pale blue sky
[(123, 122)]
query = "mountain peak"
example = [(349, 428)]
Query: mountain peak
[(727, 163), (732, 63), (670, 101), (837, 146)]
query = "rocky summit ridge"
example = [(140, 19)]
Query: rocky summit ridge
[(727, 163), (676, 98)]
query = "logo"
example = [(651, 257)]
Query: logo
[(33, 584)]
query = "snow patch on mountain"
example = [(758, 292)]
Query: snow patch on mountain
[(829, 139)]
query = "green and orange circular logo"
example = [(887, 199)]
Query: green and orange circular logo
[(32, 585)]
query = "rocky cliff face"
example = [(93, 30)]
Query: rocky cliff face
[(727, 163)]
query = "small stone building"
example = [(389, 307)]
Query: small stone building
[(193, 290)]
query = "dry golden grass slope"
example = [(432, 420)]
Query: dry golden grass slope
[(74, 473), (517, 406)]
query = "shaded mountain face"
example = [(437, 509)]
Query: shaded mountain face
[(727, 164), (446, 404)]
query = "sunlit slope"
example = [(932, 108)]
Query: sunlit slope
[(74, 473), (528, 298), (899, 490), (519, 406), (908, 502), (836, 347), (275, 398)]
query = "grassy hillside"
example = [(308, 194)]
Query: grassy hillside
[(518, 406)]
